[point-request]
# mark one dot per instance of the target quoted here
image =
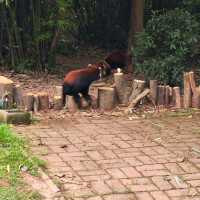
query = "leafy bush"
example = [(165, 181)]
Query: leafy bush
[(168, 46)]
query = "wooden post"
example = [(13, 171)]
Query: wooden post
[(43, 101), (18, 96), (161, 95), (154, 90), (58, 91), (71, 104), (196, 99), (57, 102), (36, 103), (170, 95), (120, 87), (106, 98), (195, 92), (177, 97), (28, 100), (187, 91), (137, 88), (167, 95)]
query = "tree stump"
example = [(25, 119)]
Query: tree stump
[(167, 95), (154, 91), (28, 100), (94, 88), (195, 91), (59, 91), (187, 91), (18, 96), (43, 101), (137, 88), (57, 102), (6, 90), (177, 97), (170, 94), (120, 87), (106, 98), (161, 95), (36, 103), (71, 104)]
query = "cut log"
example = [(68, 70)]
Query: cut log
[(18, 96), (177, 97), (57, 102), (120, 87), (58, 91), (167, 95), (170, 95), (196, 98), (36, 103), (106, 98), (195, 91), (71, 104), (187, 91), (154, 91), (28, 100), (94, 88), (192, 82), (137, 88), (43, 101), (135, 101), (6, 90), (161, 95)]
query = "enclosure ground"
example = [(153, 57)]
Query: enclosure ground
[(119, 159)]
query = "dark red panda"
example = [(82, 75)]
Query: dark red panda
[(118, 59), (77, 82)]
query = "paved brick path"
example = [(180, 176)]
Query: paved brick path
[(115, 159)]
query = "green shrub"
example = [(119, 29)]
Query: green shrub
[(168, 46)]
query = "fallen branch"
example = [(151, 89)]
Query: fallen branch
[(135, 101)]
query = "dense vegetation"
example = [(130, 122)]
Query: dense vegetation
[(168, 46), (32, 32)]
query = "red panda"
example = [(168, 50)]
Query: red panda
[(118, 59), (78, 81)]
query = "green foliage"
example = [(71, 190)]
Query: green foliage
[(14, 155), (193, 6), (168, 46), (30, 31)]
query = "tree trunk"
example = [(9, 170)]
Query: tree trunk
[(136, 21)]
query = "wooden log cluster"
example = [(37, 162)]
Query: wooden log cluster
[(191, 91), (164, 95), (35, 102)]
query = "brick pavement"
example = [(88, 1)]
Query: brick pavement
[(115, 159)]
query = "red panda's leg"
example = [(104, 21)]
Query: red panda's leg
[(87, 97), (77, 99)]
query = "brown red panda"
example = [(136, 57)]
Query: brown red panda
[(77, 82)]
